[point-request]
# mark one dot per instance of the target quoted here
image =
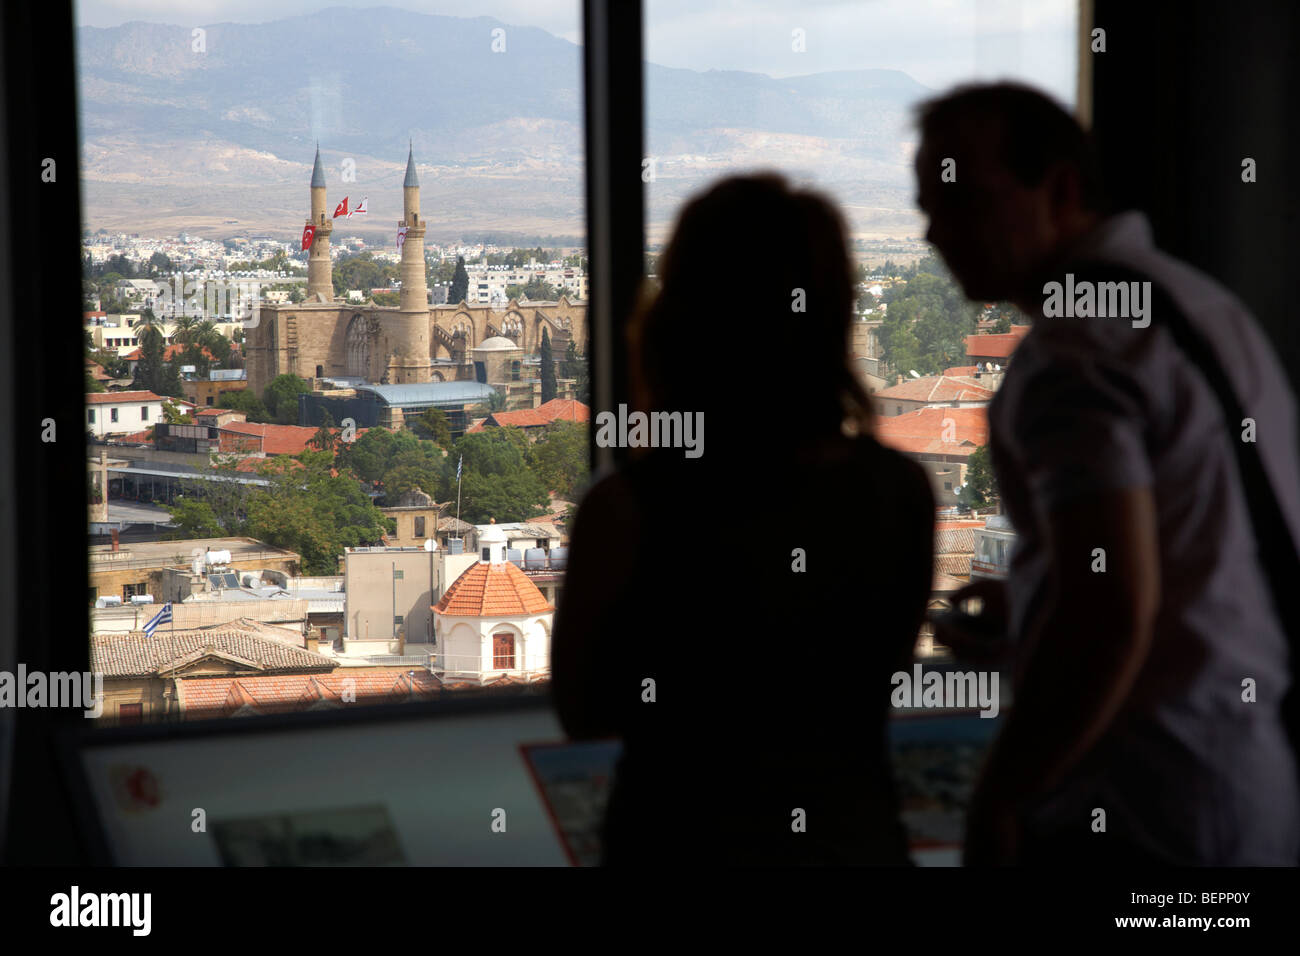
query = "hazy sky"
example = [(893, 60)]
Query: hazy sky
[(936, 42)]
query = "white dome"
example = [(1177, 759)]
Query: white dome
[(497, 343), (492, 535)]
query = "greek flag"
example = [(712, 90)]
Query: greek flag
[(162, 617), (460, 462)]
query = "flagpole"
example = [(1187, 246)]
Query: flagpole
[(171, 631), (460, 534)]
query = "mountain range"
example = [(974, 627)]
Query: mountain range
[(186, 132)]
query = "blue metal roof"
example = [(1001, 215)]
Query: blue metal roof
[(432, 393)]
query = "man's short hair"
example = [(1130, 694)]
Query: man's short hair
[(1034, 132)]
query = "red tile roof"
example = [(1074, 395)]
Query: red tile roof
[(955, 540), (565, 409), (962, 371), (492, 590), (1000, 345), (135, 654), (922, 432), (279, 439), (97, 371), (121, 398), (205, 697), (957, 565), (557, 409), (937, 388)]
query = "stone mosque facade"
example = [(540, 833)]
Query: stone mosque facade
[(413, 342)]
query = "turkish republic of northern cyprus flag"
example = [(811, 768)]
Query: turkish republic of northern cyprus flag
[(401, 237), (361, 209), (342, 208), (308, 234)]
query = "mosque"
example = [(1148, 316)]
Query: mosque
[(336, 345)]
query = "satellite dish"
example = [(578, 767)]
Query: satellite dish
[(914, 373), (429, 545)]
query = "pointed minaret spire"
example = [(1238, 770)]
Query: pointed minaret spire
[(411, 178), (319, 275), (318, 172)]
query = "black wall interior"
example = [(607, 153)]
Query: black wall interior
[(1183, 93)]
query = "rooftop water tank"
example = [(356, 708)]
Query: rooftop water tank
[(141, 598), (217, 557)]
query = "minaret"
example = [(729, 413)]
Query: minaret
[(320, 278), (411, 324)]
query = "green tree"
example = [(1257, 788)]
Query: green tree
[(195, 519), (549, 388), (1004, 315), (980, 489), (172, 415), (926, 321), (313, 512), (496, 480), (91, 384), (325, 439), (149, 369), (582, 387), (559, 458), (281, 397), (185, 329), (538, 290), (244, 400), (412, 468), (432, 425), (459, 283), (170, 383)]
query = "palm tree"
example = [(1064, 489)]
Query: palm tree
[(184, 330), (205, 332), (148, 325)]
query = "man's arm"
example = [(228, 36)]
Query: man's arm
[(1088, 644), (606, 531)]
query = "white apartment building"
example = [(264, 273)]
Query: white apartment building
[(488, 284)]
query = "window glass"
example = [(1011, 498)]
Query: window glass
[(323, 370)]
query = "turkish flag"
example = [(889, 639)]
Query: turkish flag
[(308, 234), (342, 208)]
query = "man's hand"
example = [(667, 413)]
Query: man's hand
[(992, 829), (978, 638)]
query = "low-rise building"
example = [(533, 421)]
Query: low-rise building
[(138, 568), (941, 440), (122, 413), (493, 622), (389, 596)]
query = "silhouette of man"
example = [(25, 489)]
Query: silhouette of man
[(1135, 606)]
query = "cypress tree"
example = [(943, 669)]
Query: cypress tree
[(548, 369), (459, 282)]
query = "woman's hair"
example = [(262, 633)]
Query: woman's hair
[(751, 320)]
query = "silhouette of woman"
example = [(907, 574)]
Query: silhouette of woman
[(735, 617)]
